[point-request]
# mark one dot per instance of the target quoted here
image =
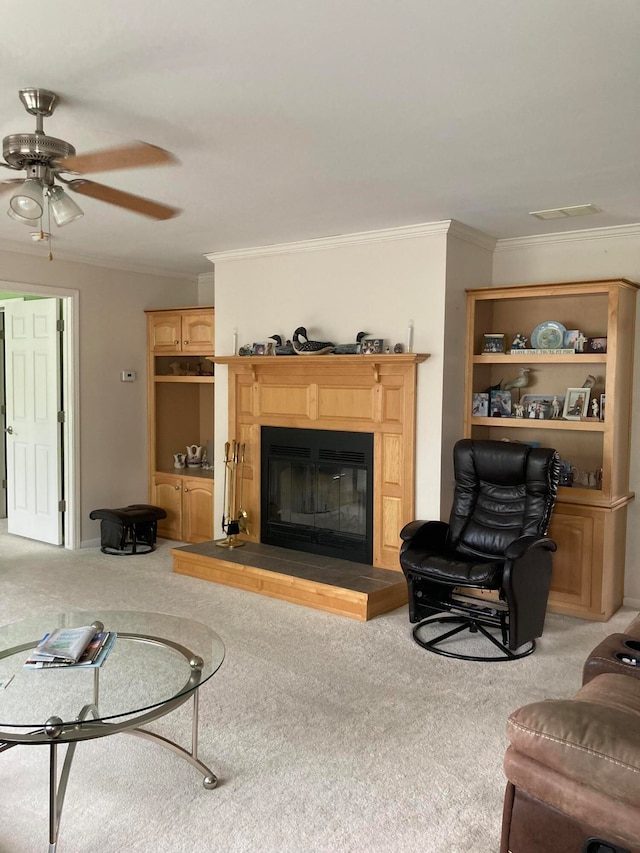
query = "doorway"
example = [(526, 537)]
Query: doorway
[(67, 391)]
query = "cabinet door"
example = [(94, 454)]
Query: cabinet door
[(167, 493), (198, 332), (164, 332), (197, 505)]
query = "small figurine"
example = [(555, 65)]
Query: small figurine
[(519, 410), (580, 342), (555, 408), (594, 408), (307, 347), (521, 380), (519, 342)]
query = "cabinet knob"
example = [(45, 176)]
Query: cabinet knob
[(186, 342), (176, 342), (186, 489), (177, 488)]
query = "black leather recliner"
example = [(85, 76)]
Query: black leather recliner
[(495, 541)]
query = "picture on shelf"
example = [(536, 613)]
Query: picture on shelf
[(596, 345), (571, 338), (602, 402), (480, 405), (258, 349), (542, 406), (501, 404), (372, 346), (576, 404), (494, 343)]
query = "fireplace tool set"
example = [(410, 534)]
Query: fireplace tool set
[(234, 518)]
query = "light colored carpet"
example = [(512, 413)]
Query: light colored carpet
[(327, 734)]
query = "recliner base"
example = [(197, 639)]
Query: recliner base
[(473, 625)]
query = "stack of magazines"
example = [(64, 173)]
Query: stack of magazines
[(72, 647)]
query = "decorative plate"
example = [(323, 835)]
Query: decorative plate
[(548, 335)]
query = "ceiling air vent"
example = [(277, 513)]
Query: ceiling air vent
[(562, 212)]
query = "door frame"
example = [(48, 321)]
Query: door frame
[(70, 378)]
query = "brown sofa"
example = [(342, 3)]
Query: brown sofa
[(573, 765)]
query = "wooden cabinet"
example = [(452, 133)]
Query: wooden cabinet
[(180, 413), (188, 330), (188, 502), (589, 522)]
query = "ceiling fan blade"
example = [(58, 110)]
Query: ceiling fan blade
[(135, 203), (132, 155), (5, 186)]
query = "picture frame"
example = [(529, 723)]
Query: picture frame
[(494, 342), (258, 349), (602, 405), (543, 407), (500, 404), (480, 405), (576, 404), (571, 338), (596, 345), (372, 346)]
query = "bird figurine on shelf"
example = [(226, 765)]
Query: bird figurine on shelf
[(280, 348), (307, 347), (589, 382), (521, 381), (351, 349)]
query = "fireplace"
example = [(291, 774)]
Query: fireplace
[(317, 491)]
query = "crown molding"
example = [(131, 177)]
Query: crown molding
[(35, 251), (472, 235), (615, 231), (407, 232)]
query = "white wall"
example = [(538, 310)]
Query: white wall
[(579, 256), (336, 288), (113, 416)]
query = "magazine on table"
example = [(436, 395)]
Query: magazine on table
[(72, 647)]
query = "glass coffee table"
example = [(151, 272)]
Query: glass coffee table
[(158, 662)]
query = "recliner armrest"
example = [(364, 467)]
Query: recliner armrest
[(519, 547), (419, 533)]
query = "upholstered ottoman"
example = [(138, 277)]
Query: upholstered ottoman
[(129, 529), (573, 770)]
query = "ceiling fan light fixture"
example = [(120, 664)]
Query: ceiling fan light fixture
[(63, 209), (27, 200), (32, 223)]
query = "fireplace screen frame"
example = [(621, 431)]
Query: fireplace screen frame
[(320, 452)]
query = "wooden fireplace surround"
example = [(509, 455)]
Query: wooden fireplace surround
[(356, 393)]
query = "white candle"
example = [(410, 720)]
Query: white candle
[(410, 337), (235, 342)]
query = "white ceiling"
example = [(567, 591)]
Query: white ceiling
[(295, 119)]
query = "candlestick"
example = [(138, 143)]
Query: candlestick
[(410, 337), (235, 342)]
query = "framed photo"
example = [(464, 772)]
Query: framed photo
[(542, 407), (500, 404), (576, 404), (596, 345), (494, 343), (571, 338), (258, 349), (372, 346), (480, 405), (602, 402)]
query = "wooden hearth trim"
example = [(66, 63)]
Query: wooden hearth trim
[(360, 393)]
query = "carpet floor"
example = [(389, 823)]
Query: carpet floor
[(327, 734)]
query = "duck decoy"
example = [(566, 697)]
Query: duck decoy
[(280, 348), (307, 347), (350, 349)]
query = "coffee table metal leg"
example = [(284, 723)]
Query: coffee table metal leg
[(210, 780)]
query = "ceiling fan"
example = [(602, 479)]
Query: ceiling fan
[(49, 162)]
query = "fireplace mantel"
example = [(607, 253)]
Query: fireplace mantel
[(362, 393)]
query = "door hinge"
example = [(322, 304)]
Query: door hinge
[(62, 506), (61, 417), (60, 325), (3, 409), (4, 484)]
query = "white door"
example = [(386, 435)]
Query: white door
[(3, 457), (34, 478)]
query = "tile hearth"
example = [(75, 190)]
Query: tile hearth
[(324, 583)]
